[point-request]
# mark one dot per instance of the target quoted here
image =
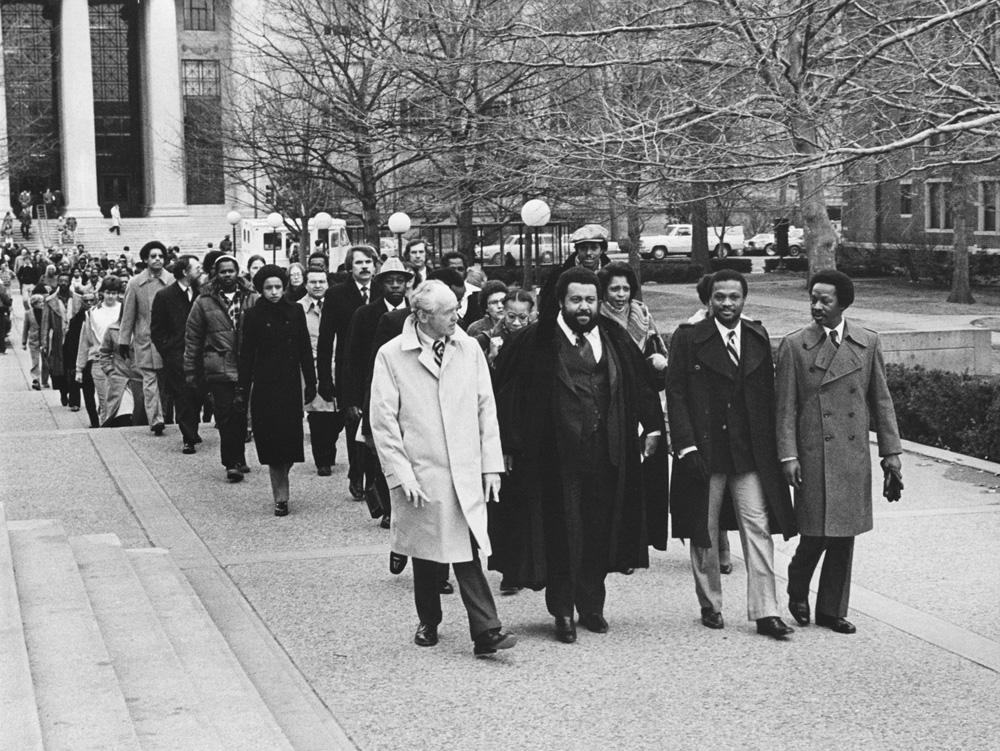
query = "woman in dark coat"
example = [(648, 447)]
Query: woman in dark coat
[(275, 357)]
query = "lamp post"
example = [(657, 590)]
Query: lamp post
[(234, 217), (535, 213), (274, 221), (399, 223)]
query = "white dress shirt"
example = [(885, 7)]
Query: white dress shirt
[(593, 336)]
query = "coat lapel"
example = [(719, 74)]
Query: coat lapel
[(711, 351), (835, 362)]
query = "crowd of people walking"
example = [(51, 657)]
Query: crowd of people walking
[(552, 433)]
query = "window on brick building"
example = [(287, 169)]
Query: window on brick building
[(199, 15), (989, 205), (906, 199), (937, 212)]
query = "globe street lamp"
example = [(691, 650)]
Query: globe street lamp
[(274, 221), (399, 223), (234, 217), (535, 213)]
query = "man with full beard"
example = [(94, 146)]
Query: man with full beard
[(171, 307), (572, 391)]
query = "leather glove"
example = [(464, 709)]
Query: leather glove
[(309, 395), (125, 351), (326, 390), (695, 465)]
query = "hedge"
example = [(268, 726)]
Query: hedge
[(960, 413), (666, 271), (918, 263), (792, 263)]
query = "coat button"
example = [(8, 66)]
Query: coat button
[(854, 389), (828, 438), (697, 367), (812, 369), (850, 414), (827, 414), (850, 438)]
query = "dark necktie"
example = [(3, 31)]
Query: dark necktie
[(364, 295), (586, 351), (319, 305), (834, 339), (734, 354), (438, 348)]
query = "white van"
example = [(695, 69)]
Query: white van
[(256, 238)]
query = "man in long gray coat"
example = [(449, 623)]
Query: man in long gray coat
[(134, 339), (830, 387), (434, 426)]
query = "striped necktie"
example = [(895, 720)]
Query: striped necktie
[(438, 352), (834, 339), (734, 355)]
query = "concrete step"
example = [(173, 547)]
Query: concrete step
[(241, 718), (80, 703), (190, 233), (19, 725), (164, 706)]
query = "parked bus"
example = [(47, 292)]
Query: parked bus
[(257, 238)]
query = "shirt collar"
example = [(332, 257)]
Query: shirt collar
[(591, 335), (724, 332), (390, 308), (839, 329)]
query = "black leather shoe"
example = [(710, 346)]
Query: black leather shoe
[(799, 610), (188, 448), (565, 629), (774, 627), (507, 588), (243, 467), (357, 491), (594, 622), (725, 568), (446, 588), (197, 439), (835, 623), (324, 471), (397, 563), (490, 641), (385, 523), (712, 618), (426, 636), (281, 508), (233, 474)]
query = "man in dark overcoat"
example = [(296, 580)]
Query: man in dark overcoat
[(341, 301), (720, 398), (167, 326), (830, 388), (572, 391)]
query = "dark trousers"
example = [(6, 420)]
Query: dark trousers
[(323, 430), (72, 390), (88, 389), (231, 422), (357, 453), (472, 585), (834, 592), (576, 571), (183, 399), (166, 395)]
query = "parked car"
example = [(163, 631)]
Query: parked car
[(763, 243), (547, 252), (677, 241)]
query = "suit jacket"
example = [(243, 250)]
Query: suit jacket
[(137, 311), (700, 381), (827, 397), (360, 353), (168, 320), (339, 304)]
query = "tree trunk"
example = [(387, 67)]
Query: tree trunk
[(960, 201), (699, 235), (820, 239), (465, 216), (634, 224)]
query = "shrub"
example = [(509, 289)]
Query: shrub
[(956, 412), (796, 263), (671, 271), (743, 265), (918, 262)]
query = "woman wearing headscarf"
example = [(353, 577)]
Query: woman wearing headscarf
[(275, 356)]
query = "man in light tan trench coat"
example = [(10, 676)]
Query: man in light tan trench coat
[(434, 426), (830, 387)]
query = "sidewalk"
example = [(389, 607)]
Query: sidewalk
[(922, 671)]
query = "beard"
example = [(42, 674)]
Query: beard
[(576, 325), (393, 299)]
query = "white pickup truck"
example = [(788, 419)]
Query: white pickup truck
[(677, 241)]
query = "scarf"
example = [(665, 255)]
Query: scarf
[(634, 318)]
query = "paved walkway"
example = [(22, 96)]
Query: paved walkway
[(923, 671)]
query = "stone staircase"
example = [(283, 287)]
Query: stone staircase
[(191, 233), (105, 648)]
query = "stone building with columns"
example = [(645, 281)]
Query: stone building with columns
[(115, 101)]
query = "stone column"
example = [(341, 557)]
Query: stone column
[(162, 113), (76, 111), (4, 175)]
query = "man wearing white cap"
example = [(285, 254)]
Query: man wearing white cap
[(590, 246)]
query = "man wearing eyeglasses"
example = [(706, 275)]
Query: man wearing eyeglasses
[(134, 338)]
